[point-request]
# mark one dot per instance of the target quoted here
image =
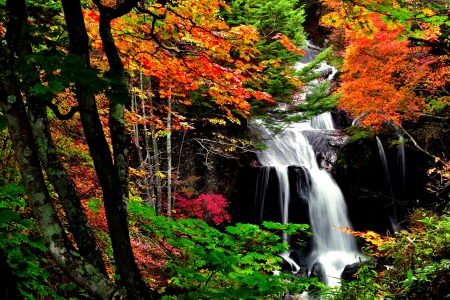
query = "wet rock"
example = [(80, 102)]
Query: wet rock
[(302, 273), (326, 146), (349, 272), (342, 119), (317, 272)]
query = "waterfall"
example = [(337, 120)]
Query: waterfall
[(392, 212), (401, 160), (327, 209)]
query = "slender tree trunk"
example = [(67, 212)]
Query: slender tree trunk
[(157, 164), (113, 176), (134, 108), (145, 164), (169, 157)]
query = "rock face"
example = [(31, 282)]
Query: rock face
[(253, 202), (342, 119), (350, 271), (202, 156), (326, 146)]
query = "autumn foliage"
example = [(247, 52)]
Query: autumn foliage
[(385, 77), (186, 48), (210, 208)]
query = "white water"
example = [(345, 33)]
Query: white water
[(327, 209), (392, 211)]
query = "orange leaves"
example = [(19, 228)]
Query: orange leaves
[(186, 48), (376, 240), (381, 76), (288, 44)]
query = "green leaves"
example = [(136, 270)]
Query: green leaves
[(7, 215), (2, 122), (21, 239), (94, 204), (209, 264), (58, 71)]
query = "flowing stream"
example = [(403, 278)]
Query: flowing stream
[(332, 248)]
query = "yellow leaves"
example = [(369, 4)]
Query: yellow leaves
[(428, 12), (376, 240), (141, 94), (234, 119), (217, 121), (160, 174), (333, 19)]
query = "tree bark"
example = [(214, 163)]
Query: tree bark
[(169, 157), (158, 182), (22, 139), (113, 176), (64, 186), (57, 175)]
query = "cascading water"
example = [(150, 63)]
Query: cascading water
[(332, 248), (392, 212), (401, 160)]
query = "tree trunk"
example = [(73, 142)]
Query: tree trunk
[(113, 176), (22, 139), (13, 108), (64, 186), (169, 156), (158, 184)]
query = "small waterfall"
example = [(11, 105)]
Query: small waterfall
[(323, 121), (401, 160), (327, 209), (401, 157), (392, 212), (262, 182)]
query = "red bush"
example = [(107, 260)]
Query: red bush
[(209, 208)]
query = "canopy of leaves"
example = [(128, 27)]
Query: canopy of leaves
[(385, 77)]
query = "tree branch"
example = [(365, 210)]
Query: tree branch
[(70, 114)]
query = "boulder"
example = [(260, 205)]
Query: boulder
[(349, 272), (317, 272)]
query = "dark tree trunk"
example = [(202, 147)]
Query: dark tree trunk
[(13, 109), (112, 175), (57, 175)]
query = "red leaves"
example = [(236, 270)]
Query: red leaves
[(209, 208)]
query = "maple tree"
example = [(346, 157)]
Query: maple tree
[(387, 78), (398, 42)]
